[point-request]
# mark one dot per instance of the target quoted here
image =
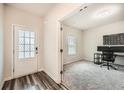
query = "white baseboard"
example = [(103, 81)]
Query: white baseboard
[(40, 70), (51, 76), (73, 61), (1, 85), (7, 78), (88, 60)]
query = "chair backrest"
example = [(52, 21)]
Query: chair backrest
[(108, 56)]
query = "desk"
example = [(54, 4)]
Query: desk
[(119, 55), (98, 56)]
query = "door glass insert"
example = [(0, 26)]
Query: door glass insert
[(26, 44)]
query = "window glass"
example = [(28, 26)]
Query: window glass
[(21, 48), (27, 48), (27, 34), (27, 54), (32, 41), (27, 40), (21, 40), (26, 44), (21, 33), (32, 34), (21, 55), (32, 54), (71, 45), (32, 48)]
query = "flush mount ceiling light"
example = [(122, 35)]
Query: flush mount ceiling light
[(106, 11), (83, 8)]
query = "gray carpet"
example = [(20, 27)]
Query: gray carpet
[(89, 76)]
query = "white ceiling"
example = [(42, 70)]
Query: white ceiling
[(40, 9), (96, 15)]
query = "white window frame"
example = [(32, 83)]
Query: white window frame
[(72, 43)]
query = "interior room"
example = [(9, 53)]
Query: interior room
[(61, 46), (28, 60), (86, 35)]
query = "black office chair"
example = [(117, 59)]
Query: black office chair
[(108, 59)]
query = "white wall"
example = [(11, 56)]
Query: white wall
[(1, 43), (51, 39), (69, 31), (94, 37), (20, 17)]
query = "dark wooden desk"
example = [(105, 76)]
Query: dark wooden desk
[(98, 56)]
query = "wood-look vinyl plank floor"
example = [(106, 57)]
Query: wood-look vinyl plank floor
[(36, 81)]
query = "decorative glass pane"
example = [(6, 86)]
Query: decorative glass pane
[(21, 33), (32, 41), (26, 44), (27, 40), (27, 54), (21, 55), (21, 40), (32, 48), (32, 54), (32, 34), (27, 34), (27, 48), (21, 48)]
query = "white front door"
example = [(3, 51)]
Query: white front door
[(25, 51)]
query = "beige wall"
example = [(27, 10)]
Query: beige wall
[(69, 31), (16, 16), (94, 37), (1, 43), (51, 39)]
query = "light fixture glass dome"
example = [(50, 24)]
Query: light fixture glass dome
[(106, 11)]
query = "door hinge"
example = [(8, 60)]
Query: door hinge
[(61, 28), (61, 72), (61, 50), (13, 70)]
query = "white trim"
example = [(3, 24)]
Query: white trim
[(51, 76), (60, 57), (25, 74), (7, 78), (74, 61), (12, 73), (22, 26), (1, 85), (88, 60), (40, 70)]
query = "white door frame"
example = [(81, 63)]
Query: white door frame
[(13, 49), (61, 50), (61, 34)]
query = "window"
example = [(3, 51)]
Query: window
[(26, 44), (71, 45)]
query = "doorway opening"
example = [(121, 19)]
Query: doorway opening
[(81, 33)]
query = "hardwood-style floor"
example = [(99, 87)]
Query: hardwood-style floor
[(36, 81)]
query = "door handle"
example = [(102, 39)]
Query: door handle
[(36, 50)]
